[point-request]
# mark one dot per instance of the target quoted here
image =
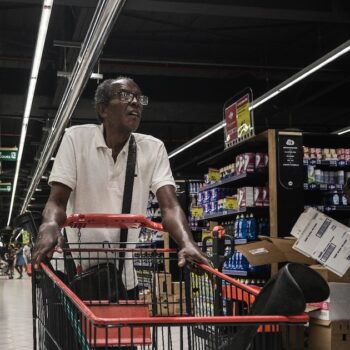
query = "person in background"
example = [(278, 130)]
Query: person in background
[(88, 176), (20, 262), (27, 253), (10, 259)]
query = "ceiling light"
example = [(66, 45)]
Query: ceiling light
[(200, 137), (44, 23), (312, 68), (342, 131)]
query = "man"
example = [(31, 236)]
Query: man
[(89, 173)]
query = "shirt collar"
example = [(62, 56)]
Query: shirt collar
[(101, 143)]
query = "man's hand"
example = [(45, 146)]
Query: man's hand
[(191, 254), (49, 240)]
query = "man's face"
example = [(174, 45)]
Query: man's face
[(123, 116)]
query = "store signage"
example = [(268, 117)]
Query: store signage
[(238, 118), (8, 154), (197, 212), (25, 237), (5, 187), (290, 159)]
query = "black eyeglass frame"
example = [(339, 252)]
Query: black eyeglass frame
[(128, 96)]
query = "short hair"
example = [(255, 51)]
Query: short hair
[(105, 91)]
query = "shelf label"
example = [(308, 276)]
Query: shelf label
[(231, 203), (213, 174), (197, 212), (5, 187), (8, 154), (290, 159)]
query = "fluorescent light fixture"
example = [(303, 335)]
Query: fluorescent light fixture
[(312, 68), (44, 23), (44, 177), (343, 131), (200, 137), (38, 189), (67, 75)]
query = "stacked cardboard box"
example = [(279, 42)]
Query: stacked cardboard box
[(323, 239)]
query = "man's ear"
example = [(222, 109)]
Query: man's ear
[(102, 110)]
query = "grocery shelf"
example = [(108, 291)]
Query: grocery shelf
[(337, 163), (257, 176), (226, 213)]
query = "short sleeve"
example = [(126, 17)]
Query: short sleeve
[(162, 174), (64, 169)]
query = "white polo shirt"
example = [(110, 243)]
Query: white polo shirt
[(85, 164)]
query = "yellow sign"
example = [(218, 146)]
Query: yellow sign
[(214, 174), (197, 212), (231, 203), (243, 116), (206, 233), (25, 237)]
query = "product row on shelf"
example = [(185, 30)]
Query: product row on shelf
[(238, 265), (327, 154), (244, 163), (246, 227), (319, 176)]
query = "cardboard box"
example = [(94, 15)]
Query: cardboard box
[(329, 276), (165, 305), (176, 288), (163, 283), (324, 239), (327, 335), (272, 250), (337, 306), (179, 305)]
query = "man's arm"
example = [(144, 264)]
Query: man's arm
[(174, 221), (54, 215)]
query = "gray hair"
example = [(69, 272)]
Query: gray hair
[(105, 92)]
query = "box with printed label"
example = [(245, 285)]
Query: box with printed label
[(324, 239), (270, 250), (327, 335)]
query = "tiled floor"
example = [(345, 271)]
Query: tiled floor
[(15, 313)]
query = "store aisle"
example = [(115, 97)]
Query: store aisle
[(15, 313)]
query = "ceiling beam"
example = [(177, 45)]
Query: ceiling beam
[(206, 9), (198, 8)]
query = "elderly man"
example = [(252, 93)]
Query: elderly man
[(88, 176)]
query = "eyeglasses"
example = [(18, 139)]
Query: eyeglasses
[(127, 97)]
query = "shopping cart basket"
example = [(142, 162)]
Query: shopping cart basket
[(161, 317)]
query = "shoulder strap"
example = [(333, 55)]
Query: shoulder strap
[(128, 189)]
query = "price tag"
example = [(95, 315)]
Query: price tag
[(313, 186), (341, 162), (213, 174), (197, 212)]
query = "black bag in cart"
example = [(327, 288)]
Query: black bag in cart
[(101, 282)]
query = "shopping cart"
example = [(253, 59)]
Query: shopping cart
[(161, 317)]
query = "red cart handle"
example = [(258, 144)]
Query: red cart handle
[(111, 221)]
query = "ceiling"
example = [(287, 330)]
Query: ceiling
[(189, 57)]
